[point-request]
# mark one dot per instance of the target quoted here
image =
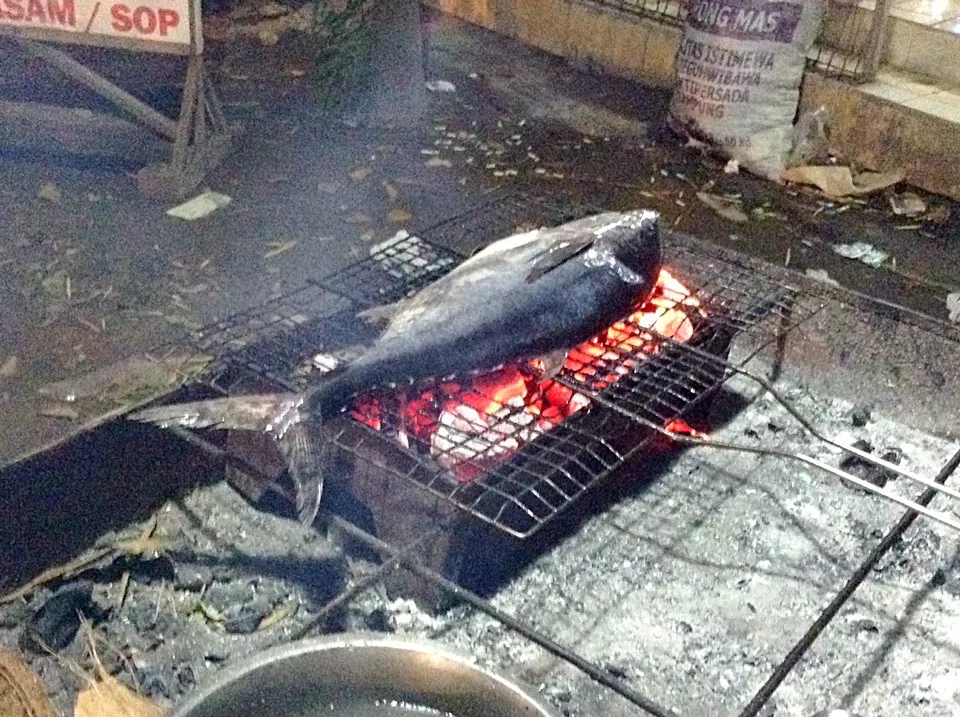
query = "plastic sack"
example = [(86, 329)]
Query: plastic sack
[(811, 138), (739, 69)]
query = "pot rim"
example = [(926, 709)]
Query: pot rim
[(352, 640)]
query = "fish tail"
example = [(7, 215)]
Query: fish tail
[(269, 413)]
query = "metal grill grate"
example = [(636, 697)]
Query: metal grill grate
[(505, 465), (400, 266)]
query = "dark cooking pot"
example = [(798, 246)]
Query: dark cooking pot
[(362, 674)]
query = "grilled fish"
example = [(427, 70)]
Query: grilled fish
[(530, 295)]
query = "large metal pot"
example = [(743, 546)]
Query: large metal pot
[(353, 674)]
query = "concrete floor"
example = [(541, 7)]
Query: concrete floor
[(96, 273)]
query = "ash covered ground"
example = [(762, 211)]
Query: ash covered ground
[(690, 584)]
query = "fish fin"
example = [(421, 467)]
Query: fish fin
[(552, 363), (379, 314), (557, 255), (269, 413), (302, 454)]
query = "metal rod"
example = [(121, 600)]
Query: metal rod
[(159, 123), (401, 557), (830, 611), (364, 583), (188, 113), (532, 634), (367, 581)]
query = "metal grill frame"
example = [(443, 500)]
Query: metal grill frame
[(547, 475)]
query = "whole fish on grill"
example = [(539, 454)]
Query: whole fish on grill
[(530, 295)]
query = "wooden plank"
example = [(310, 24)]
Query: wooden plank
[(82, 74), (35, 127)]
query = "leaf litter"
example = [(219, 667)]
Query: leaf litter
[(863, 252)]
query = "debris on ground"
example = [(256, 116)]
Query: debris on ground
[(822, 275), (200, 206), (869, 471), (863, 252), (732, 167), (727, 207), (135, 378), (953, 306), (50, 192), (441, 86), (275, 248), (360, 173), (65, 413), (839, 182), (21, 691), (810, 138), (56, 623), (907, 204), (10, 367), (265, 28), (400, 216)]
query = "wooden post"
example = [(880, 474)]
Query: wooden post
[(201, 137), (877, 42)]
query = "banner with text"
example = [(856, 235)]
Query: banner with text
[(171, 26)]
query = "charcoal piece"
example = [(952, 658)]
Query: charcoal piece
[(192, 578), (142, 615), (860, 416), (186, 678), (875, 475), (159, 570), (377, 620), (247, 617), (152, 684), (56, 623)]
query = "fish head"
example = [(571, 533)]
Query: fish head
[(634, 239)]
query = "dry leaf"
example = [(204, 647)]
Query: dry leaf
[(329, 187), (21, 691), (278, 247), (437, 162), (839, 181), (360, 173), (10, 367), (359, 218), (726, 208), (392, 193), (60, 572), (211, 613), (65, 412), (109, 698), (50, 192), (400, 216), (278, 615)]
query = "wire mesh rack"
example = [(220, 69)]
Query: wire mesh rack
[(513, 448)]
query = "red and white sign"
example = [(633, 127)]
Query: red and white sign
[(153, 25)]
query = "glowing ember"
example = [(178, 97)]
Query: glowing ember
[(468, 426)]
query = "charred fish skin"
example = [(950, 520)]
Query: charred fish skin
[(486, 312)]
